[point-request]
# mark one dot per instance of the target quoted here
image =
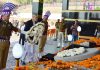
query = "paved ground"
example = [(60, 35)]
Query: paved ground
[(50, 47)]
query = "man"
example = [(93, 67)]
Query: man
[(28, 49), (31, 22), (61, 31), (6, 29), (44, 36), (74, 30), (57, 26)]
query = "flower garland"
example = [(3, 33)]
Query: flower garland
[(71, 52), (34, 34)]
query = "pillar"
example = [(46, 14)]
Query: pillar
[(37, 7)]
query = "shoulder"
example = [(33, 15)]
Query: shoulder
[(56, 22), (10, 24), (0, 20), (29, 21)]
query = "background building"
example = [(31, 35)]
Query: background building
[(87, 12)]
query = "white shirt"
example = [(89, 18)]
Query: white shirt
[(33, 23), (22, 28)]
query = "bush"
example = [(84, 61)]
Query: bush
[(97, 8)]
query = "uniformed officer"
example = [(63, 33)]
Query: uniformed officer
[(6, 29), (61, 31), (57, 27), (44, 36)]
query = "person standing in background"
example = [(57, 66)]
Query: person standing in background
[(74, 30), (61, 32), (22, 36), (57, 27)]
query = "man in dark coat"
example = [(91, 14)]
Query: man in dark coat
[(31, 22)]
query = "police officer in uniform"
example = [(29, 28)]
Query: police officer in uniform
[(6, 29), (43, 39), (61, 31), (57, 27)]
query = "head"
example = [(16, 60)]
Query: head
[(46, 16), (34, 17), (6, 14), (22, 22), (58, 20), (76, 22), (62, 20), (6, 10), (6, 17)]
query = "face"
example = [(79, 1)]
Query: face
[(45, 18), (6, 17), (58, 20), (34, 17), (62, 20), (76, 23)]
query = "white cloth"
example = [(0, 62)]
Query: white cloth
[(98, 34), (30, 53), (23, 32), (22, 27), (61, 39), (33, 23)]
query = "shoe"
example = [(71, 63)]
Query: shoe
[(55, 39), (23, 62), (65, 41), (58, 46)]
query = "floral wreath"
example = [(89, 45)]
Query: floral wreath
[(35, 33)]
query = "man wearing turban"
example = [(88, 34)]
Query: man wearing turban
[(6, 29), (44, 36)]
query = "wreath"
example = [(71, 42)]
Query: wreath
[(35, 33)]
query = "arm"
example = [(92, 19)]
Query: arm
[(71, 27), (95, 32), (17, 30)]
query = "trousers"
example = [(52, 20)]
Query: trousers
[(42, 43), (61, 39), (4, 49)]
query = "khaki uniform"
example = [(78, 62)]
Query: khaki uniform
[(42, 43), (6, 29), (43, 38), (61, 32), (4, 49), (57, 27)]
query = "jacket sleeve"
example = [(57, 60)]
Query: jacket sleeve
[(14, 28)]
